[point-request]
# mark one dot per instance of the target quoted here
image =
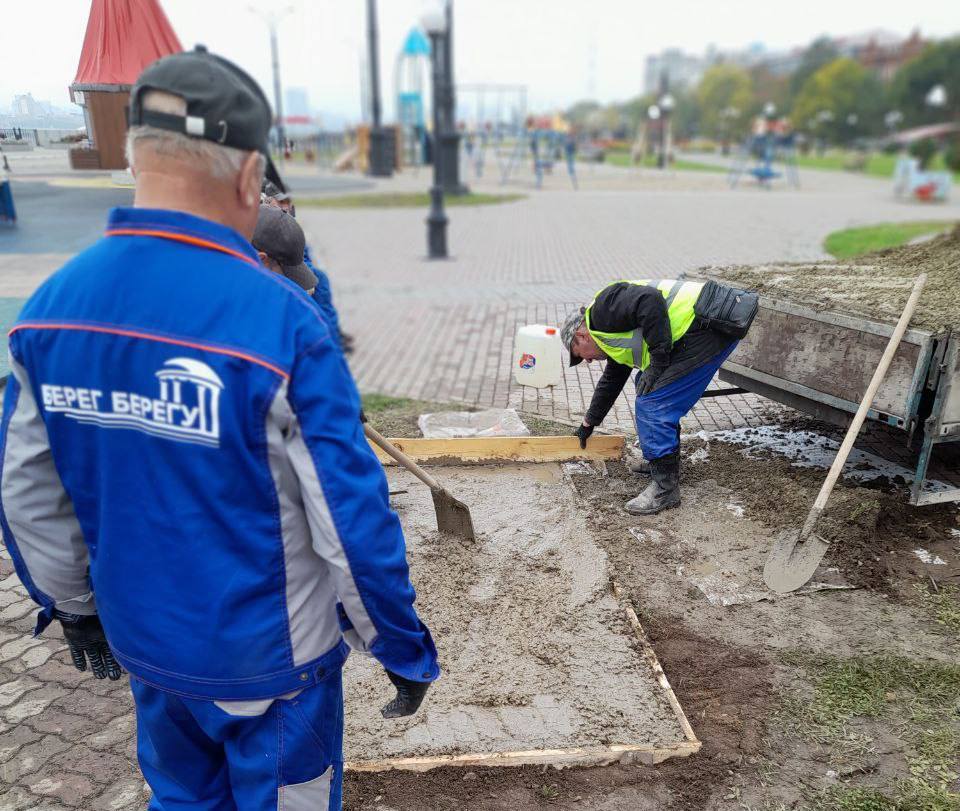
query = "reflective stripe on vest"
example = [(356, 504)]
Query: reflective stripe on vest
[(629, 348)]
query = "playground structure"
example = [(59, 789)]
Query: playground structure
[(909, 180), (548, 139), (497, 113), (770, 143), (412, 64)]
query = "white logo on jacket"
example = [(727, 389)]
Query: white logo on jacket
[(188, 408)]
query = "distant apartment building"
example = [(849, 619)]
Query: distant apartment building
[(680, 69), (882, 51), (25, 105)]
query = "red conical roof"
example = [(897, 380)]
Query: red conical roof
[(123, 37)]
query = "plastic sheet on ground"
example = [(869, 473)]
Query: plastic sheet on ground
[(492, 422), (926, 557)]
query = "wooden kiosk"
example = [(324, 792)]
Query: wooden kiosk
[(122, 38)]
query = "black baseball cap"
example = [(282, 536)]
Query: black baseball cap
[(224, 104), (281, 238)]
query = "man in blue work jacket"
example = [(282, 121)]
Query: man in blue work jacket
[(322, 294), (200, 485)]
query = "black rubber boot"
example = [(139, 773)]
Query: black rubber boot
[(663, 492), (641, 467)]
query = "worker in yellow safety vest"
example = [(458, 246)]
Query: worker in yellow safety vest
[(676, 334)]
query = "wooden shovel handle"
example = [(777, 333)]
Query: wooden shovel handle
[(865, 403), (399, 456)]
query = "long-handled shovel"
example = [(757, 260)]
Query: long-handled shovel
[(453, 516), (794, 558)]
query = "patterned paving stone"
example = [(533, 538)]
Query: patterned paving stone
[(71, 789), (435, 331)]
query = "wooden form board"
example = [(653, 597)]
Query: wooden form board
[(579, 756), (488, 450)]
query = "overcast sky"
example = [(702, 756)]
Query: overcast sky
[(545, 44)]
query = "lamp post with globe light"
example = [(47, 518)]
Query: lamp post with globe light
[(653, 114), (434, 23), (936, 96), (667, 103)]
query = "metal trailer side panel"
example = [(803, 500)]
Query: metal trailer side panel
[(950, 416), (830, 358)]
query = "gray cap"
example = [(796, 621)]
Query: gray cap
[(281, 238), (271, 190), (570, 326)]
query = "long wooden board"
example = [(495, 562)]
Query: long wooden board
[(489, 450), (584, 756)]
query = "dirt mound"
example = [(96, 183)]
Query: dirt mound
[(872, 530), (875, 285)]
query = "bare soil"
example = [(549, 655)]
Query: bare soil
[(875, 285), (731, 665)]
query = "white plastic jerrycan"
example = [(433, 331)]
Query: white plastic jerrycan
[(537, 357)]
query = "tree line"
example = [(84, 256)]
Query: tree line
[(829, 97)]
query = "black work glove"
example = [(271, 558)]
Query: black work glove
[(409, 696), (583, 434), (84, 635), (649, 379), (363, 417)]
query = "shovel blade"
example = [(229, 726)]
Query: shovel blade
[(453, 516), (792, 562)]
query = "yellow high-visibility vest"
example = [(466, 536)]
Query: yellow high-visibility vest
[(629, 348)]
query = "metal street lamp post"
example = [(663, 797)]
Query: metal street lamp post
[(381, 159), (434, 24), (272, 19), (449, 137)]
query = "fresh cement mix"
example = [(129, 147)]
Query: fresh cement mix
[(536, 652)]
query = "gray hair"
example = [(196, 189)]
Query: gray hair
[(220, 162)]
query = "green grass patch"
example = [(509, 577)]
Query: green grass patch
[(942, 604), (877, 164), (852, 242), (918, 700), (397, 416), (618, 158), (405, 200), (844, 798)]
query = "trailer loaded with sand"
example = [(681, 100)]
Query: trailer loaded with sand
[(822, 328)]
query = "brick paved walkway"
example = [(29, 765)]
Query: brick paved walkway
[(437, 331), (444, 330)]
